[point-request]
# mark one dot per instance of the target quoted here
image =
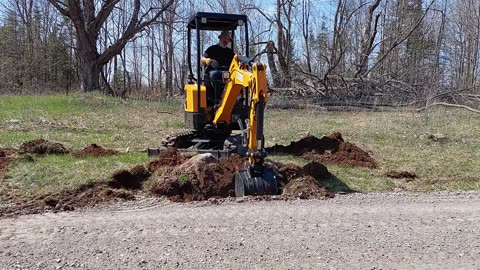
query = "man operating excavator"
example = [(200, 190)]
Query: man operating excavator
[(217, 58), (219, 55)]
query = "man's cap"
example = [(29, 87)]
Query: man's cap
[(225, 33)]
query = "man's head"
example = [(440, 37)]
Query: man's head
[(224, 38)]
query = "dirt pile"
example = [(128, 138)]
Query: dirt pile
[(204, 176), (89, 195), (169, 157), (43, 147), (129, 179), (6, 156), (94, 150), (199, 178), (67, 200), (303, 182), (328, 149)]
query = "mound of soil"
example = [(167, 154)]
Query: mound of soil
[(43, 147), (129, 179), (95, 150), (200, 178), (90, 195), (6, 156), (169, 157), (305, 187), (203, 177), (400, 175), (329, 149), (303, 182), (68, 200)]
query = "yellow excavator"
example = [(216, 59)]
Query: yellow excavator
[(224, 100)]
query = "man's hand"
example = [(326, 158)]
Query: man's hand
[(212, 62)]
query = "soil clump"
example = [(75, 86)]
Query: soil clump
[(43, 147), (401, 174), (94, 150), (168, 158), (303, 182), (130, 179)]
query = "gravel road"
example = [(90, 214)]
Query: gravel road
[(357, 231)]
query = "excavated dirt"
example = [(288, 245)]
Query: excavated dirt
[(130, 179), (43, 147), (169, 157), (203, 176), (182, 179), (68, 200), (329, 149), (303, 182), (7, 155), (95, 150), (200, 178)]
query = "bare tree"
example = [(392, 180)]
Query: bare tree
[(88, 23)]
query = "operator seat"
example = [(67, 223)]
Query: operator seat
[(215, 85)]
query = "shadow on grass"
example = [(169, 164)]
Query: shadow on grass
[(335, 184)]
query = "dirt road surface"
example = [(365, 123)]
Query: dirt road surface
[(358, 231)]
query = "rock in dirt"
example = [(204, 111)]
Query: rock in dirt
[(43, 147), (95, 150)]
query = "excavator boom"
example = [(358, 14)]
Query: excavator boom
[(255, 178)]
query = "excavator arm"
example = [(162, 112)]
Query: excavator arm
[(255, 178)]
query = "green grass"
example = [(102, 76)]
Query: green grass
[(54, 173), (391, 137)]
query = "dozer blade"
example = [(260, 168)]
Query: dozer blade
[(255, 183)]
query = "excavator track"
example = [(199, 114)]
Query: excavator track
[(179, 139)]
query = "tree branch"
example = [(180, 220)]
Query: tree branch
[(448, 105), (60, 6)]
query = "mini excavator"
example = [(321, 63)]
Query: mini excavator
[(224, 100)]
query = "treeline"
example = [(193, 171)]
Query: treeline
[(36, 50), (371, 51)]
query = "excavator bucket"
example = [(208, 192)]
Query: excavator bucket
[(249, 182)]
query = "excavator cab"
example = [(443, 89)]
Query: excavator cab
[(204, 90), (227, 99)]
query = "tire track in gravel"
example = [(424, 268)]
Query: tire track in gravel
[(357, 231)]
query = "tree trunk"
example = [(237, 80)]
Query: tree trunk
[(90, 77), (89, 70), (271, 64)]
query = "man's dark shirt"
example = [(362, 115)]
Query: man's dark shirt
[(224, 56)]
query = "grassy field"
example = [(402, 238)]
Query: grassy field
[(392, 138)]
